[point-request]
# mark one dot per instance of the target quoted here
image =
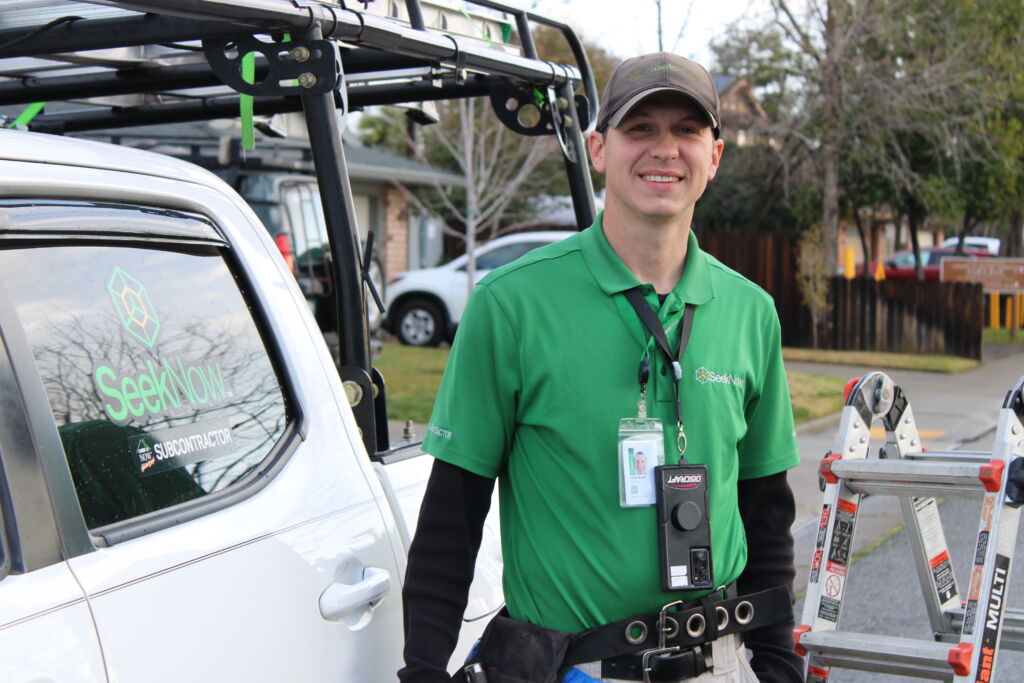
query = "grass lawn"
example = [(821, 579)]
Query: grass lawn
[(814, 395), (414, 374), (1001, 337), (930, 362)]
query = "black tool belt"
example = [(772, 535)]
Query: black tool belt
[(664, 646)]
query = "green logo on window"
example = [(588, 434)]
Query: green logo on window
[(133, 305)]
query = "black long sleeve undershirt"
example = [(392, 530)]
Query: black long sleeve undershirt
[(447, 540), (768, 510), (440, 569)]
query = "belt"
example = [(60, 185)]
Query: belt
[(667, 645), (680, 666)]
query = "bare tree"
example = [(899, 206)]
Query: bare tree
[(501, 169), (885, 79)]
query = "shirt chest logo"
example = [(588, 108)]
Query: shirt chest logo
[(704, 375)]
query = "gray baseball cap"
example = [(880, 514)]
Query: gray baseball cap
[(636, 79)]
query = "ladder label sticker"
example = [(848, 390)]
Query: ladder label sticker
[(942, 574), (819, 542), (816, 675), (930, 524), (835, 568), (986, 512), (826, 512), (974, 590), (833, 586), (842, 533), (815, 566), (979, 552), (993, 617), (829, 609)]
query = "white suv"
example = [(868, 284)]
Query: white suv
[(424, 306)]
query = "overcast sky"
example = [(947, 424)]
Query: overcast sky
[(628, 27)]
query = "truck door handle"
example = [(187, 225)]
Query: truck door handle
[(341, 599)]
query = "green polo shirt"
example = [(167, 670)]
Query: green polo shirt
[(543, 368)]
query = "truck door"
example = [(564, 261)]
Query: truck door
[(237, 534), (46, 630)]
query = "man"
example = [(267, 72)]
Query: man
[(552, 354)]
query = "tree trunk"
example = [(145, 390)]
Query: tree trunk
[(1015, 236), (472, 197), (830, 147), (966, 225), (863, 245), (914, 215)]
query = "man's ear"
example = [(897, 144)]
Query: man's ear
[(716, 157), (596, 144)]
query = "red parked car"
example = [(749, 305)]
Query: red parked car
[(900, 265)]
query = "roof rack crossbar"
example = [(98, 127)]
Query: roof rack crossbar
[(101, 118), (359, 28), (162, 79), (100, 34)]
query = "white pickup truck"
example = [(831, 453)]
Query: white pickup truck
[(184, 491), (193, 486)]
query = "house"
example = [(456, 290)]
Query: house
[(740, 110)]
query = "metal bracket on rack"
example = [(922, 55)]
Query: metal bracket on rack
[(519, 110), (297, 67)]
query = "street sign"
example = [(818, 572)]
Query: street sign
[(995, 274)]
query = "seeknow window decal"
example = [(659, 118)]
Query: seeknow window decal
[(159, 382)]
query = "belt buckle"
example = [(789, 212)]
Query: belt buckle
[(667, 628)]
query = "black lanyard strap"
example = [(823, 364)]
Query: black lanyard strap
[(650, 320)]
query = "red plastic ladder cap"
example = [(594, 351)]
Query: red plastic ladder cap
[(959, 659), (991, 475), (797, 647), (849, 387)]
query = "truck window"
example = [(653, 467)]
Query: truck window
[(157, 376)]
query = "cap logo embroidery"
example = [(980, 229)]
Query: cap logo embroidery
[(639, 73)]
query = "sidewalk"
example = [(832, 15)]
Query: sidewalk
[(950, 410)]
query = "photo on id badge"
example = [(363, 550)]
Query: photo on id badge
[(637, 458)]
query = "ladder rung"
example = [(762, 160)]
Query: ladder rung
[(908, 473), (885, 654), (897, 488), (1012, 637), (979, 457)]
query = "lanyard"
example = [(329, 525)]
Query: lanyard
[(650, 320)]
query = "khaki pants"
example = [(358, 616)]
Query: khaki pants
[(728, 656)]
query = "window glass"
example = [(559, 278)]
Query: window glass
[(506, 254), (902, 260), (156, 374)]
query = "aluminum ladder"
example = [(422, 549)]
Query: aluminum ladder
[(976, 628)]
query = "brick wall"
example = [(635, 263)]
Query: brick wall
[(395, 224)]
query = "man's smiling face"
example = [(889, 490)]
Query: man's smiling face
[(658, 161)]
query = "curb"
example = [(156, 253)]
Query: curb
[(818, 424)]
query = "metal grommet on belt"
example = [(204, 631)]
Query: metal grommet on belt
[(722, 616), (695, 625), (641, 630), (744, 612)]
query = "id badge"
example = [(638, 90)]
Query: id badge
[(641, 449)]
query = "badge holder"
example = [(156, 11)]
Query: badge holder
[(641, 449)]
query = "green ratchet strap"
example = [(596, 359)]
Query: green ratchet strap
[(27, 115), (245, 102)]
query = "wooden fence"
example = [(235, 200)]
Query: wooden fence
[(898, 316)]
